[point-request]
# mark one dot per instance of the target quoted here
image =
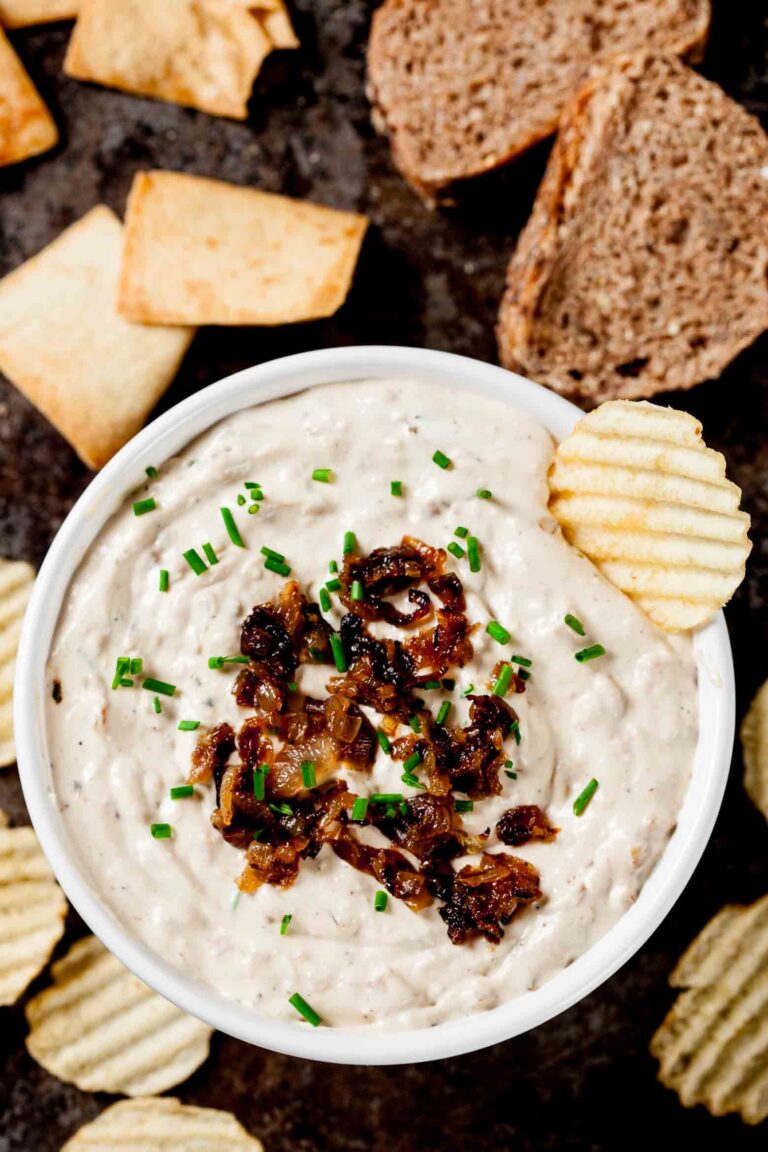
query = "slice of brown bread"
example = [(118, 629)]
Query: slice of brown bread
[(463, 86), (644, 264)]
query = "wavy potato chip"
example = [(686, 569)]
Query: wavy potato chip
[(155, 1124), (16, 580), (754, 745), (712, 1047), (205, 54), (32, 910), (26, 126), (100, 1028), (635, 488)]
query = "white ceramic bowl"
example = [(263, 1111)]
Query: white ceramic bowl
[(164, 438)]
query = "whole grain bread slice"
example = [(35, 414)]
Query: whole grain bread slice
[(644, 265), (463, 86)]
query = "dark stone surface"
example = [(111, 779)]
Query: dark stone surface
[(586, 1080)]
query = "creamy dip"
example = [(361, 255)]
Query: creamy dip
[(628, 719)]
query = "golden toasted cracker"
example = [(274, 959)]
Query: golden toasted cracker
[(754, 745), (199, 251), (162, 1124), (21, 13), (275, 20), (16, 580), (635, 488), (26, 125), (202, 53), (100, 1028), (32, 910), (62, 343), (713, 1046)]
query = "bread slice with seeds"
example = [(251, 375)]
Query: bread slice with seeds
[(644, 265), (463, 86)]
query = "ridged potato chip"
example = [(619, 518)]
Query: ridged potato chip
[(100, 1028), (32, 910), (635, 488), (712, 1047), (754, 745), (16, 580), (162, 1125)]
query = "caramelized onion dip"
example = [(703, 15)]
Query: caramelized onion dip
[(626, 719)]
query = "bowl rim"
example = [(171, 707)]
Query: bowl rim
[(161, 439)]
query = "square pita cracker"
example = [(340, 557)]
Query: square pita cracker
[(95, 376), (199, 251), (202, 53), (21, 13), (26, 125), (275, 20)]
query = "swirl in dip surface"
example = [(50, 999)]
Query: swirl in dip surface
[(628, 719)]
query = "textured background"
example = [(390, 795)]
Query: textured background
[(585, 1080)]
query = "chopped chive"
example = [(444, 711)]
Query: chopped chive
[(271, 554), (581, 802), (159, 686), (574, 623), (415, 723), (473, 551), (413, 761), (182, 791), (253, 509), (195, 561), (442, 715), (232, 529), (522, 660), (384, 743), (514, 730), (356, 591), (241, 499), (161, 831), (589, 653), (126, 683), (322, 475), (467, 691), (380, 901), (503, 682), (282, 809), (157, 705), (333, 585), (463, 805), (461, 531), (151, 471), (305, 1010), (188, 725), (220, 661), (449, 683), (251, 484), (456, 550), (411, 780), (395, 487), (339, 656), (350, 543), (122, 665), (403, 806), (332, 566), (308, 774), (210, 555), (285, 922), (431, 685), (524, 674), (317, 655), (235, 899), (277, 566), (292, 686), (137, 665), (484, 494), (257, 834), (260, 781), (325, 600), (142, 506), (165, 580), (387, 797), (360, 809), (498, 632), (509, 772), (441, 459), (389, 811)]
